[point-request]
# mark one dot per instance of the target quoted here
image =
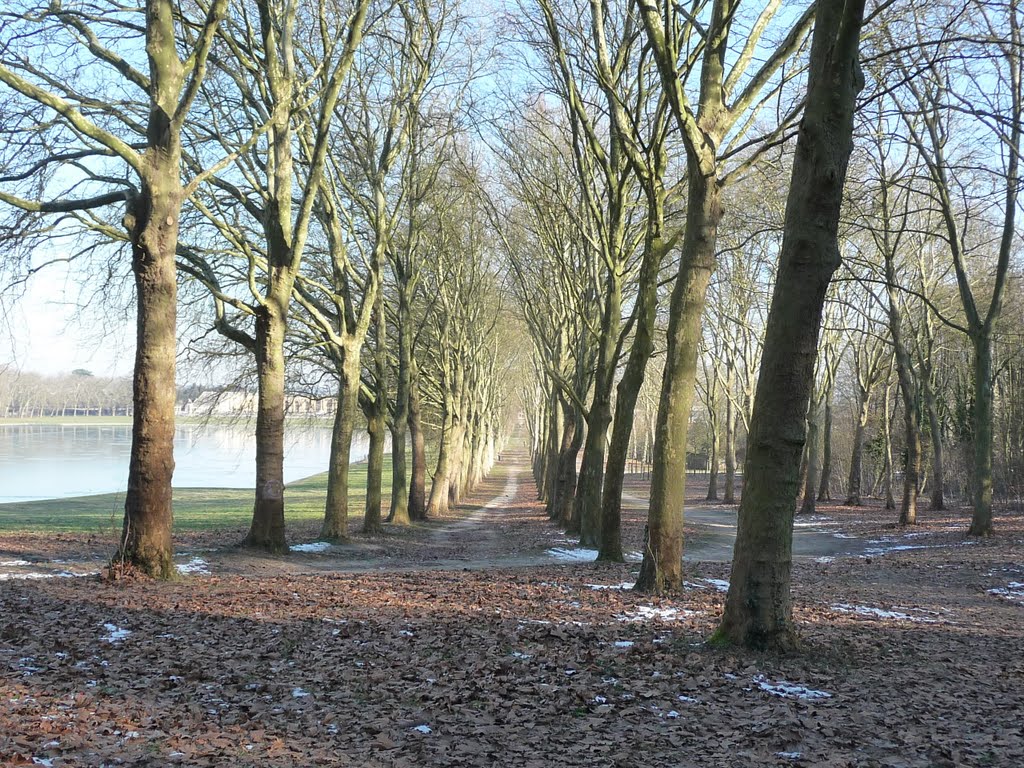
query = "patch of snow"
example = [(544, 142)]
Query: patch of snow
[(883, 550), (843, 536), (299, 693), (46, 761), (114, 633), (573, 555), (824, 559), (720, 584), (521, 656), (649, 612), (688, 699), (789, 755), (789, 690), (623, 585), (1013, 591), (7, 576), (865, 610), (423, 729), (623, 643), (313, 546), (194, 566), (405, 633), (634, 557), (13, 563)]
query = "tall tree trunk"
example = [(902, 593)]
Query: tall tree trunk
[(813, 467), (565, 486), (662, 568), (153, 228), (267, 529), (853, 484), (418, 475), (628, 389), (758, 608), (438, 502), (824, 489), (730, 444), (938, 500), (887, 479), (981, 426), (712, 494), (376, 427), (399, 513), (335, 525), (587, 505)]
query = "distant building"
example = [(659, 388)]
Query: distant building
[(236, 402)]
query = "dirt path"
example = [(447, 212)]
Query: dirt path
[(499, 525)]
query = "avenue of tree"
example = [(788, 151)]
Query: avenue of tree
[(780, 237)]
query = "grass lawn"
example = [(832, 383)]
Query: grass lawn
[(194, 508)]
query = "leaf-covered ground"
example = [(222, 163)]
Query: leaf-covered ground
[(461, 643)]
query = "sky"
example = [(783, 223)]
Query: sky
[(45, 331)]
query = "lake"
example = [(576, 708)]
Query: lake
[(53, 461)]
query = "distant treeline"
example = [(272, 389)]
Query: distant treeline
[(79, 393)]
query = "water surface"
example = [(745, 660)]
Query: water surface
[(53, 461)]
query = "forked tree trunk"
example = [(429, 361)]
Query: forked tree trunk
[(267, 529), (565, 485), (758, 608), (628, 389)]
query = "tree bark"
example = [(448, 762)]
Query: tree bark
[(824, 490), (335, 525), (418, 476), (267, 529), (758, 609), (153, 228), (853, 484), (399, 513), (981, 425), (938, 500), (662, 568)]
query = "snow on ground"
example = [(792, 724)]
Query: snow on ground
[(865, 610), (1014, 591), (13, 563), (194, 566), (573, 555), (33, 575), (787, 690), (115, 634), (649, 612), (623, 585), (313, 546)]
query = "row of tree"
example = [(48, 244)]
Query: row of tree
[(700, 264), (30, 395), (338, 198), (295, 169)]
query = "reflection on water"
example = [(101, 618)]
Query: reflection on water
[(53, 461)]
